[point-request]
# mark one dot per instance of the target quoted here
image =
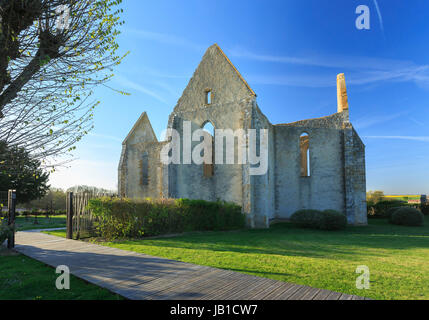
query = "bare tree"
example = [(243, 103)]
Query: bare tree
[(52, 55)]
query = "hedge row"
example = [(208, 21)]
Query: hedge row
[(384, 209), (42, 213), (323, 220), (125, 218)]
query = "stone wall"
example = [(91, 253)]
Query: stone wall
[(141, 141), (324, 188), (337, 155), (230, 108), (355, 178)]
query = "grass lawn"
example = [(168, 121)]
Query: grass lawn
[(22, 278), (397, 256), (23, 224)]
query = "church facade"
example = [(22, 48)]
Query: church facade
[(312, 164)]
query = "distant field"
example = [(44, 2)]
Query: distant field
[(403, 197)]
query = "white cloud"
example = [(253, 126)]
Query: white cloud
[(359, 70), (128, 84), (412, 138), (380, 18), (372, 120)]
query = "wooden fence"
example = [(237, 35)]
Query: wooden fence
[(81, 223)]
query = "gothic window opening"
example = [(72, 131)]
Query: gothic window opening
[(304, 145), (208, 168), (145, 169)]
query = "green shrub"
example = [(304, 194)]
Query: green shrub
[(380, 209), (315, 219), (125, 218), (5, 230), (407, 216), (333, 220), (307, 218), (390, 211), (424, 208)]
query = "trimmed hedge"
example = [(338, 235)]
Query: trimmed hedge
[(407, 216), (424, 208), (381, 209), (390, 211), (125, 218), (323, 220), (333, 220)]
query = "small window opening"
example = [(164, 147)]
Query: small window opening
[(208, 168), (305, 155), (208, 96)]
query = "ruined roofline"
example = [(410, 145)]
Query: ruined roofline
[(343, 114), (342, 105), (235, 69), (140, 119)]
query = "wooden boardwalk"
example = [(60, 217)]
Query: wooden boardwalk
[(139, 276)]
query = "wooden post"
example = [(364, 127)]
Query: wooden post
[(69, 204), (11, 218)]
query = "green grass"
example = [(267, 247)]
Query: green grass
[(397, 256), (23, 224), (22, 278)]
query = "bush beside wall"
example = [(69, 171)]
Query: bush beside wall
[(381, 209), (424, 208), (125, 218), (323, 220), (407, 216)]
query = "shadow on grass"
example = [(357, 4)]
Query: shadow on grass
[(284, 239)]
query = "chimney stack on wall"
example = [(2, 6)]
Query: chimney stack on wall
[(343, 103)]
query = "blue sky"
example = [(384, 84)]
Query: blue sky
[(289, 52)]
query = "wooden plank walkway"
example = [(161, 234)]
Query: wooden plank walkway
[(139, 276)]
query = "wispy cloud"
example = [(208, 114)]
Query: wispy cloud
[(165, 38), (301, 80), (128, 84), (104, 136), (331, 61), (416, 121), (360, 70), (412, 138), (370, 121), (380, 18)]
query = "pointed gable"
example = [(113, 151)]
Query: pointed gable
[(217, 78), (142, 131)]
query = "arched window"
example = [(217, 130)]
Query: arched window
[(208, 168), (144, 169), (304, 145)]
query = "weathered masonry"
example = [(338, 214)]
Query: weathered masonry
[(315, 163)]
